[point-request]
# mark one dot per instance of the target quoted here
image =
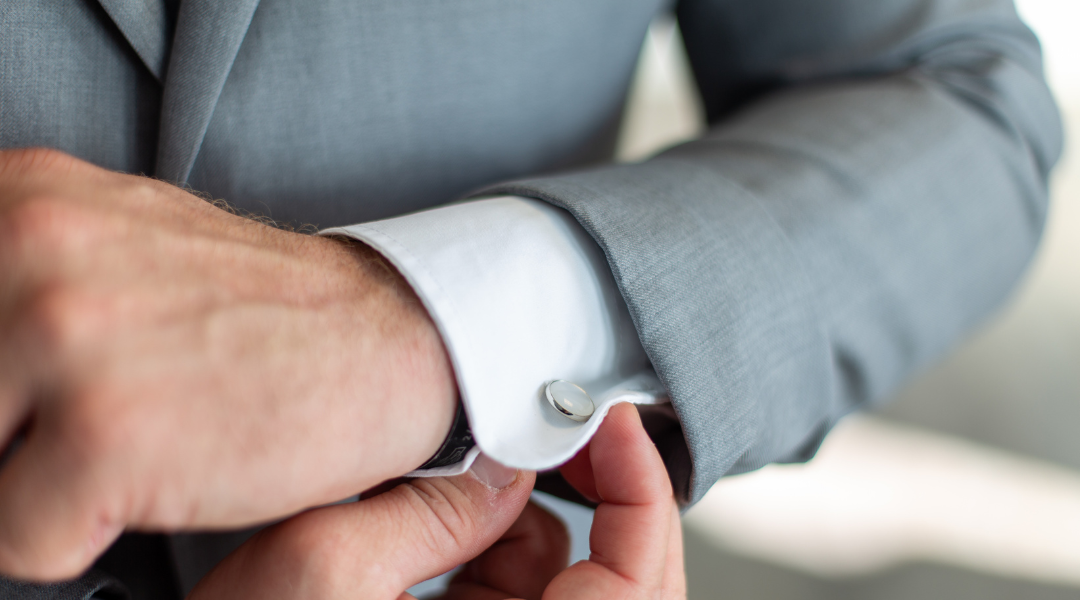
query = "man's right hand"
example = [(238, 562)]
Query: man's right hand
[(379, 547), (175, 366)]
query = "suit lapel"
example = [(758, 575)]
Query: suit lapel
[(146, 26), (208, 36)]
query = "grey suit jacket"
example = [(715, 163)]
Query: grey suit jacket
[(872, 185)]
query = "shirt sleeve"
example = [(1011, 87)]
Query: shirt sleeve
[(522, 296)]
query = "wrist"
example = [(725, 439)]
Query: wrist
[(424, 396)]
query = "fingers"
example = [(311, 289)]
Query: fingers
[(526, 558), (54, 519), (430, 526), (378, 547), (632, 527)]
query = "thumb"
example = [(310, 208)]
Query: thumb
[(379, 547)]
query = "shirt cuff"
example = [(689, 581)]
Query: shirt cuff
[(522, 296)]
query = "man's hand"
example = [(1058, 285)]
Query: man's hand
[(172, 365), (379, 547)]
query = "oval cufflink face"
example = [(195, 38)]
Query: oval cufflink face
[(569, 400)]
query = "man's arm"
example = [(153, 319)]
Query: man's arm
[(872, 185)]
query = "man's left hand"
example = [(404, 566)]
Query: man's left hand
[(172, 365)]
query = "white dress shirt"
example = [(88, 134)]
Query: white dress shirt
[(522, 296)]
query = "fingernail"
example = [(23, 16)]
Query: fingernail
[(103, 536), (491, 473)]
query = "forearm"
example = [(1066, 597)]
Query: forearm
[(817, 247)]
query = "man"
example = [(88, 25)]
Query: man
[(872, 185)]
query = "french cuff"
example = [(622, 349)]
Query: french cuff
[(522, 297)]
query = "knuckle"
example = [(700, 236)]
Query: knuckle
[(59, 318), (138, 192), (33, 219), (144, 190), (42, 224), (452, 520)]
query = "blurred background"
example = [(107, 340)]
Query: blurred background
[(965, 486)]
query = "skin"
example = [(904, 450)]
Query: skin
[(379, 547), (171, 366)]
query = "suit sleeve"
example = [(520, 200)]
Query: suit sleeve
[(872, 185)]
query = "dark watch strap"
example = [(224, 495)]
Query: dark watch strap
[(456, 445)]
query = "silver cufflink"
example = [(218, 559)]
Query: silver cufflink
[(570, 400)]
